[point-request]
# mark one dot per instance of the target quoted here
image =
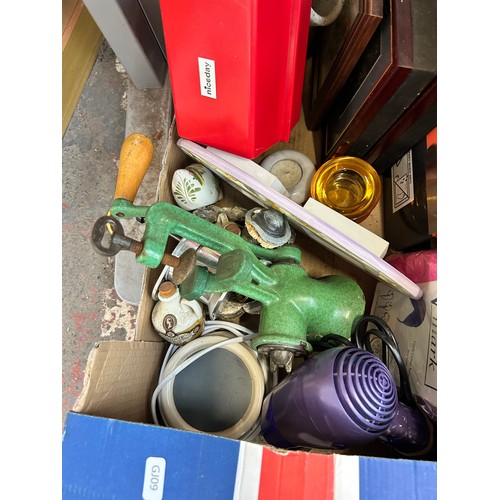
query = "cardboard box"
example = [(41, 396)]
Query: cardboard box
[(111, 449), (109, 458)]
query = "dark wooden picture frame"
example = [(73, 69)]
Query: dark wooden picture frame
[(419, 119), (397, 65), (335, 50)]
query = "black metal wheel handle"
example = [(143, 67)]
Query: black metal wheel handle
[(108, 228)]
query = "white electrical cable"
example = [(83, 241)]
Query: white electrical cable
[(210, 326), (185, 364), (247, 356), (214, 325), (227, 325), (249, 426)]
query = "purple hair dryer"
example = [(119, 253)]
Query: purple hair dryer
[(340, 398), (411, 432)]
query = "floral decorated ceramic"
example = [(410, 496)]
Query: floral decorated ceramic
[(195, 186)]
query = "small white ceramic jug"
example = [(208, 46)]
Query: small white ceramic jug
[(177, 320)]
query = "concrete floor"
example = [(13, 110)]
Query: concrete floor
[(110, 108)]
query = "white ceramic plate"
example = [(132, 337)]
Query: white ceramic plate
[(254, 169), (302, 220)]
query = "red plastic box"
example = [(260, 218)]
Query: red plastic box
[(236, 70)]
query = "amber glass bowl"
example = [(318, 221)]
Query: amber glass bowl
[(348, 185)]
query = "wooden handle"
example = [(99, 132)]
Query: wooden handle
[(135, 157)]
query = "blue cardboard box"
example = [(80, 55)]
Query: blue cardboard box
[(109, 458)]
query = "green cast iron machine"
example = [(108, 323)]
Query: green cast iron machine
[(295, 308)]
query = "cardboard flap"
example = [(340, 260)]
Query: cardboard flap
[(120, 378)]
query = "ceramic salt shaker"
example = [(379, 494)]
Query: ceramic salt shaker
[(177, 320), (195, 186)]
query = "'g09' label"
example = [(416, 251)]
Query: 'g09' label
[(208, 86), (154, 478)]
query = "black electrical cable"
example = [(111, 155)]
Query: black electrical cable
[(330, 340), (362, 339)]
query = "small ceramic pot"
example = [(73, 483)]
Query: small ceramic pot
[(195, 186), (176, 320)]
